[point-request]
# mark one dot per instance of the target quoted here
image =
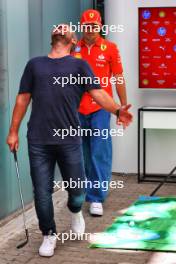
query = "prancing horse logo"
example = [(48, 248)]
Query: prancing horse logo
[(91, 15)]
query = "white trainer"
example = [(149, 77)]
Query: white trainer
[(96, 209), (48, 245), (78, 223)]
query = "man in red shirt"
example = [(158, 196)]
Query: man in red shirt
[(103, 57)]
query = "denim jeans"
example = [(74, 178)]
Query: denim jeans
[(43, 159), (97, 154)]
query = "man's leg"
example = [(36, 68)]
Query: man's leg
[(101, 157), (42, 163), (86, 142), (70, 161)]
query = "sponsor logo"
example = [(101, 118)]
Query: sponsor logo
[(162, 47), (161, 82), (144, 39), (99, 65), (91, 15), (167, 22), (146, 49), (146, 65), (144, 23), (155, 22), (145, 31), (162, 66), (161, 31), (144, 73), (156, 40), (145, 81), (101, 57), (168, 56), (145, 57), (155, 74), (162, 14), (103, 47), (146, 14), (168, 40), (167, 73), (156, 57)]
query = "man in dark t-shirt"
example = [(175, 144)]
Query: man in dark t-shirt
[(56, 83)]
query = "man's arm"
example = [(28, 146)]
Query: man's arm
[(102, 98), (21, 105), (121, 89)]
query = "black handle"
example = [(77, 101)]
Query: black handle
[(15, 155)]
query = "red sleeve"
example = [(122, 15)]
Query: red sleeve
[(116, 65)]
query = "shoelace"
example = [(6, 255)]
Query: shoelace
[(49, 240), (97, 206)]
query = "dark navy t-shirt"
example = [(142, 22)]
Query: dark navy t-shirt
[(54, 105)]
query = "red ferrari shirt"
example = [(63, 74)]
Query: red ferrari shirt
[(104, 59)]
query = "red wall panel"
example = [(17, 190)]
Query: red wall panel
[(157, 48)]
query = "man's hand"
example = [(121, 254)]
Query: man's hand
[(13, 141), (125, 118)]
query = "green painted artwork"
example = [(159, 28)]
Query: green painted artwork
[(149, 224)]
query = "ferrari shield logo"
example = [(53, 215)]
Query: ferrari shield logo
[(103, 47), (91, 15)]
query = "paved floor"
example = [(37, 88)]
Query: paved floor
[(76, 252)]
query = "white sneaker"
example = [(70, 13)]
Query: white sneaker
[(96, 209), (48, 245), (78, 223)]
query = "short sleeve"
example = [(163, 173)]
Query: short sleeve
[(89, 80), (116, 64), (26, 82)]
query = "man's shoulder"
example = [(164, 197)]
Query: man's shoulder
[(77, 60), (36, 59), (109, 43)]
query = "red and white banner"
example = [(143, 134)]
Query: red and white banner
[(157, 48)]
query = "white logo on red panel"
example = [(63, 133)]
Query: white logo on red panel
[(145, 31), (161, 82), (162, 66), (146, 65), (156, 57), (167, 22), (168, 56), (167, 73), (162, 47), (156, 40), (168, 39), (145, 57), (146, 49), (144, 23), (156, 22), (155, 74)]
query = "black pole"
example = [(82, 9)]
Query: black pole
[(139, 143), (94, 4)]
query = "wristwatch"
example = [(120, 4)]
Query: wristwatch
[(117, 113)]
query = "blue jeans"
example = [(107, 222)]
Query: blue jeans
[(43, 159), (97, 154)]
